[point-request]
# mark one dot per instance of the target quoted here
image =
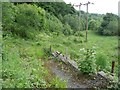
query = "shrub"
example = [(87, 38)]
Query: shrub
[(47, 51), (53, 24), (23, 19), (67, 29), (87, 63), (77, 40), (73, 55), (78, 33)]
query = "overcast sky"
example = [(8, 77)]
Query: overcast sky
[(100, 6)]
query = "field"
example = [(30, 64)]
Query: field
[(23, 61)]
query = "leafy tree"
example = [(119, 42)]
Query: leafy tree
[(53, 24), (67, 30), (8, 17), (92, 25), (73, 21), (23, 19), (57, 8), (109, 26)]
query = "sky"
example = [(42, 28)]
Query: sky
[(99, 6)]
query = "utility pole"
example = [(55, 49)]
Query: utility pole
[(79, 5), (87, 18)]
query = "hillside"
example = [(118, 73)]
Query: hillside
[(32, 31)]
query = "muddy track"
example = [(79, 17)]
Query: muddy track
[(59, 69), (74, 80)]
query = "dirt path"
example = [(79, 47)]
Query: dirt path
[(60, 70)]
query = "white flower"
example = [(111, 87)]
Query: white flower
[(93, 53), (94, 47), (82, 49)]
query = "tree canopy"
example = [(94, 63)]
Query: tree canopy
[(109, 26)]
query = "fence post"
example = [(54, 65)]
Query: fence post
[(112, 69), (50, 49)]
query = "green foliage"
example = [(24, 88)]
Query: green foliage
[(92, 25), (101, 62), (73, 21), (109, 26), (114, 86), (57, 8), (47, 51), (58, 83), (87, 63), (67, 30), (74, 55), (21, 71), (78, 33), (23, 20), (22, 66), (53, 24), (8, 16), (78, 40)]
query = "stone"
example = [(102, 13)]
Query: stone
[(101, 73), (53, 54), (105, 76), (73, 64)]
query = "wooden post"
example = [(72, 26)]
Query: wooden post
[(86, 23), (66, 52), (50, 49), (87, 18), (112, 69)]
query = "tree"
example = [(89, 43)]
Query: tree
[(109, 26), (92, 25), (23, 20), (67, 30)]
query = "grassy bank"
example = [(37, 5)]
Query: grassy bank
[(23, 60)]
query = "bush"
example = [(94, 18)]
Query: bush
[(78, 40), (47, 51), (23, 19), (87, 63), (78, 33), (67, 30), (53, 24), (73, 55), (109, 25)]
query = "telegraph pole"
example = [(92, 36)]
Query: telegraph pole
[(87, 18), (79, 5)]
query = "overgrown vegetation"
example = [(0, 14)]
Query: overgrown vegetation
[(30, 29), (87, 63)]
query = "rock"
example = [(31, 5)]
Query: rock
[(101, 73), (105, 76), (66, 60), (56, 54), (73, 65), (53, 54)]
